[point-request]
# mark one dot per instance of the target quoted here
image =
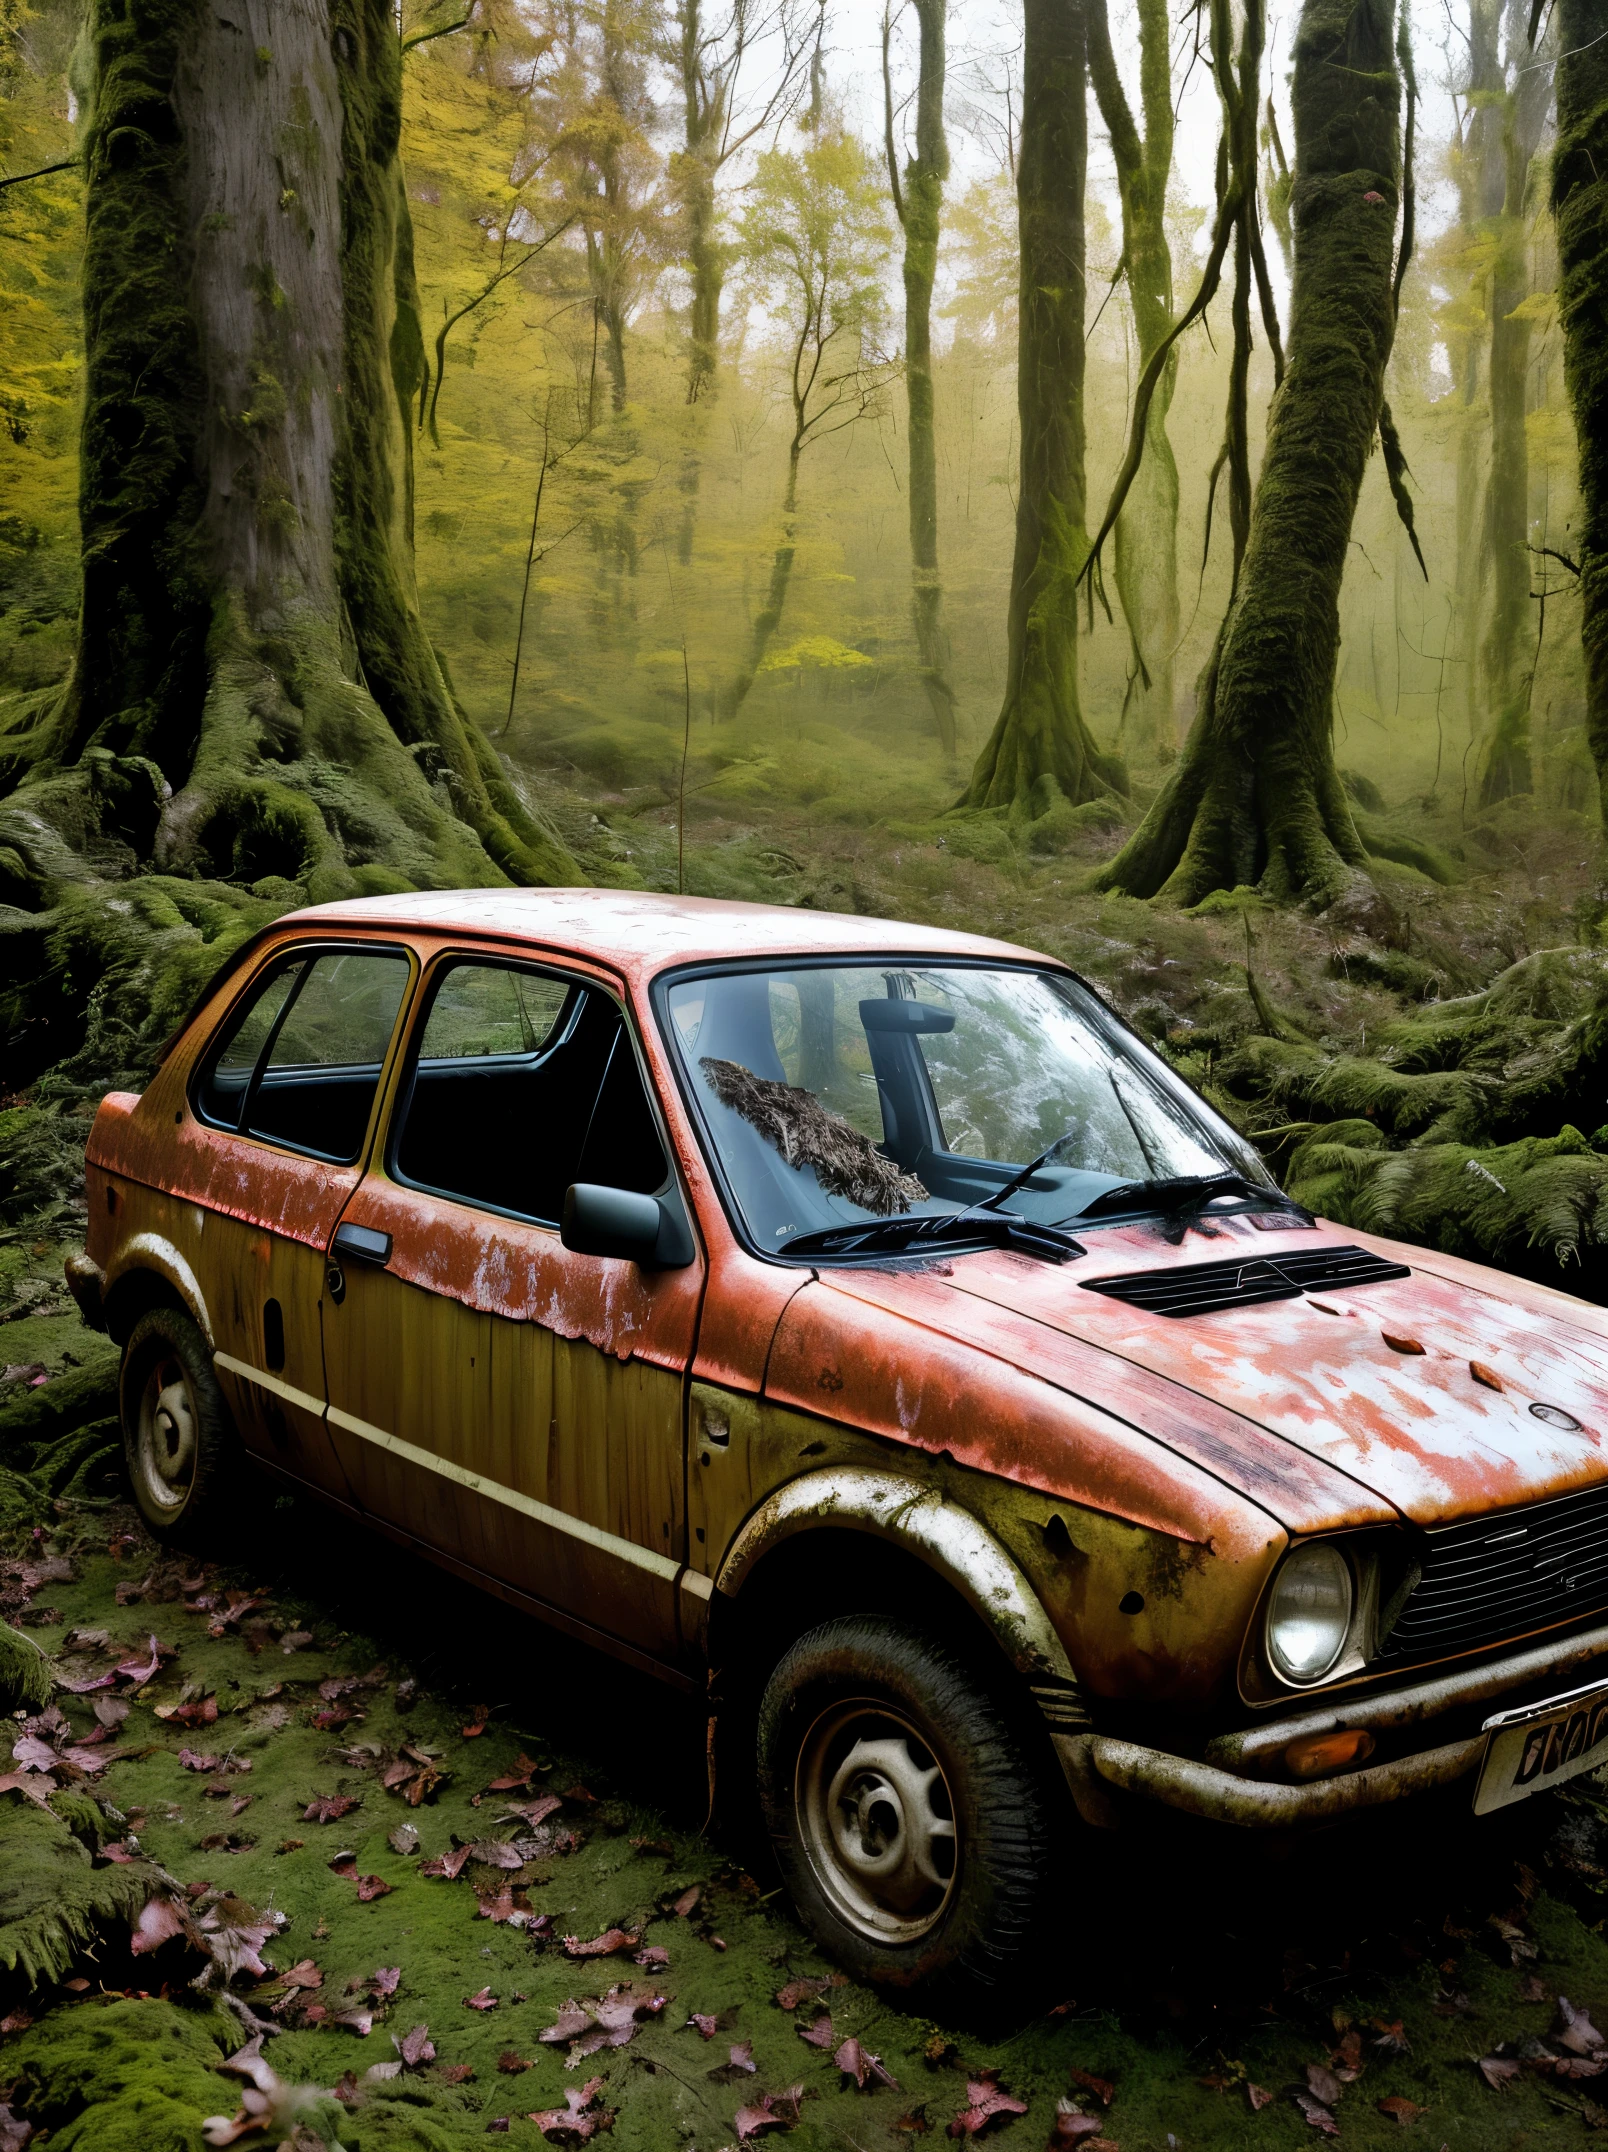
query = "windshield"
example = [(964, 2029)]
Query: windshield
[(835, 1094)]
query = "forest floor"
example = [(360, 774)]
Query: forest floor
[(1195, 1973)]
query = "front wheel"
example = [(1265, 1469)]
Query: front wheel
[(179, 1442), (911, 1822)]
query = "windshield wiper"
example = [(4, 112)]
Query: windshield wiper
[(907, 1236), (1183, 1195)]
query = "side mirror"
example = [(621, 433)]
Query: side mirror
[(649, 1230)]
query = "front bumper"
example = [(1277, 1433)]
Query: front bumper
[(1236, 1780)]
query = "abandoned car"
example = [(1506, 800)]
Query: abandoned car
[(858, 1319)]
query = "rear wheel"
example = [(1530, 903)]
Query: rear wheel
[(179, 1443), (911, 1821)]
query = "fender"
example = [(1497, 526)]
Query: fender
[(946, 1537), (154, 1252)]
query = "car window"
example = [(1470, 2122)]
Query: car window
[(524, 1083), (838, 1092), (299, 1063)]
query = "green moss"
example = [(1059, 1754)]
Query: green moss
[(127, 2076)]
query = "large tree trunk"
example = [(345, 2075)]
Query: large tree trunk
[(254, 693), (920, 205), (1041, 752), (1508, 651), (1255, 796), (1580, 204), (1147, 529)]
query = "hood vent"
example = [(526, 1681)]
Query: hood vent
[(1204, 1288)]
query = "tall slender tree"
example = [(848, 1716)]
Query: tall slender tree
[(918, 201), (1041, 751), (1580, 204), (1147, 529), (1255, 797)]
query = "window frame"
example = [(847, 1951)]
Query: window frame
[(873, 959), (257, 980), (439, 968)]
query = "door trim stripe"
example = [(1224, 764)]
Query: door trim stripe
[(558, 1520), (264, 1381)]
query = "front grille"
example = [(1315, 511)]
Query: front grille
[(1203, 1288), (1501, 1576)]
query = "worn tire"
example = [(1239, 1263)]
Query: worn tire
[(852, 1723), (180, 1448)]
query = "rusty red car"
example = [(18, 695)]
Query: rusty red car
[(857, 1323)]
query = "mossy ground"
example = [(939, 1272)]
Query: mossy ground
[(1188, 1962)]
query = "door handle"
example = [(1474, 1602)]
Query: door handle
[(363, 1244)]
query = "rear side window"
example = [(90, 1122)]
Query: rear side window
[(524, 1083), (299, 1062)]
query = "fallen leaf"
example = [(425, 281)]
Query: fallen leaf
[(1103, 2090), (601, 1946), (511, 2064), (295, 1640), (329, 1807), (1491, 1380), (370, 1887), (1324, 2085), (455, 2073), (534, 1812), (359, 2021), (654, 1959), (1575, 2030), (15, 2021), (772, 2111), (1396, 1344), (579, 2119), (706, 2026), (482, 2000), (404, 1839), (1071, 2127), (1400, 2110), (479, 1715), (192, 1762), (503, 1905), (570, 2023), (1317, 2114), (303, 1974), (687, 1902), (1392, 2037), (496, 1853), (986, 2104), (384, 1981), (160, 1921), (859, 2063), (1533, 1989), (807, 1989), (203, 1711), (740, 2063), (820, 2034), (1497, 2071), (520, 1775), (139, 1671), (1257, 2097), (449, 1865), (415, 2048)]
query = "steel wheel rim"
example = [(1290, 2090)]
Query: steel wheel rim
[(166, 1436), (876, 1821)]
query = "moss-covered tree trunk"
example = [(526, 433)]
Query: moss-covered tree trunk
[(254, 694), (1580, 205), (919, 202), (1508, 649), (1147, 529), (1041, 752), (1255, 797)]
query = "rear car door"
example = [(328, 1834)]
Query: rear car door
[(283, 1099), (511, 1405)]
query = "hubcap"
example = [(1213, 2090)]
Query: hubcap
[(165, 1444), (876, 1821)]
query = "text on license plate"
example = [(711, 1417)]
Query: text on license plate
[(1541, 1745)]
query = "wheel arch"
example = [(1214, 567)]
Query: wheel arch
[(148, 1272), (805, 1545)]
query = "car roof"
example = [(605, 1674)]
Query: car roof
[(640, 933)]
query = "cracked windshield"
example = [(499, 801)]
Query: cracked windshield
[(836, 1094)]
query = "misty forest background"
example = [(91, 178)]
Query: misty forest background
[(707, 297)]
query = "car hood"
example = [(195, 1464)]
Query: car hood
[(1309, 1406)]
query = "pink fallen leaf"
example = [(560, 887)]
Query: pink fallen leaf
[(570, 2023), (1257, 2097), (495, 1853), (1575, 2029), (415, 2048), (483, 1999), (579, 2119), (534, 1812), (371, 1887), (820, 2034), (384, 1982), (1071, 2127), (706, 2026), (865, 2068), (1400, 2110), (455, 2073), (806, 1989), (358, 2020), (1497, 2071), (687, 1902), (192, 1762), (654, 1959), (140, 1670), (448, 1864), (771, 2111), (304, 1974), (160, 1921), (1323, 2084), (29, 1753), (1317, 2115), (328, 1807), (986, 2103)]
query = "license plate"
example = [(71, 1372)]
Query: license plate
[(1541, 1745)]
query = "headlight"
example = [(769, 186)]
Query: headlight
[(1309, 1613)]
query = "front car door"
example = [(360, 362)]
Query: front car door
[(500, 1400)]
